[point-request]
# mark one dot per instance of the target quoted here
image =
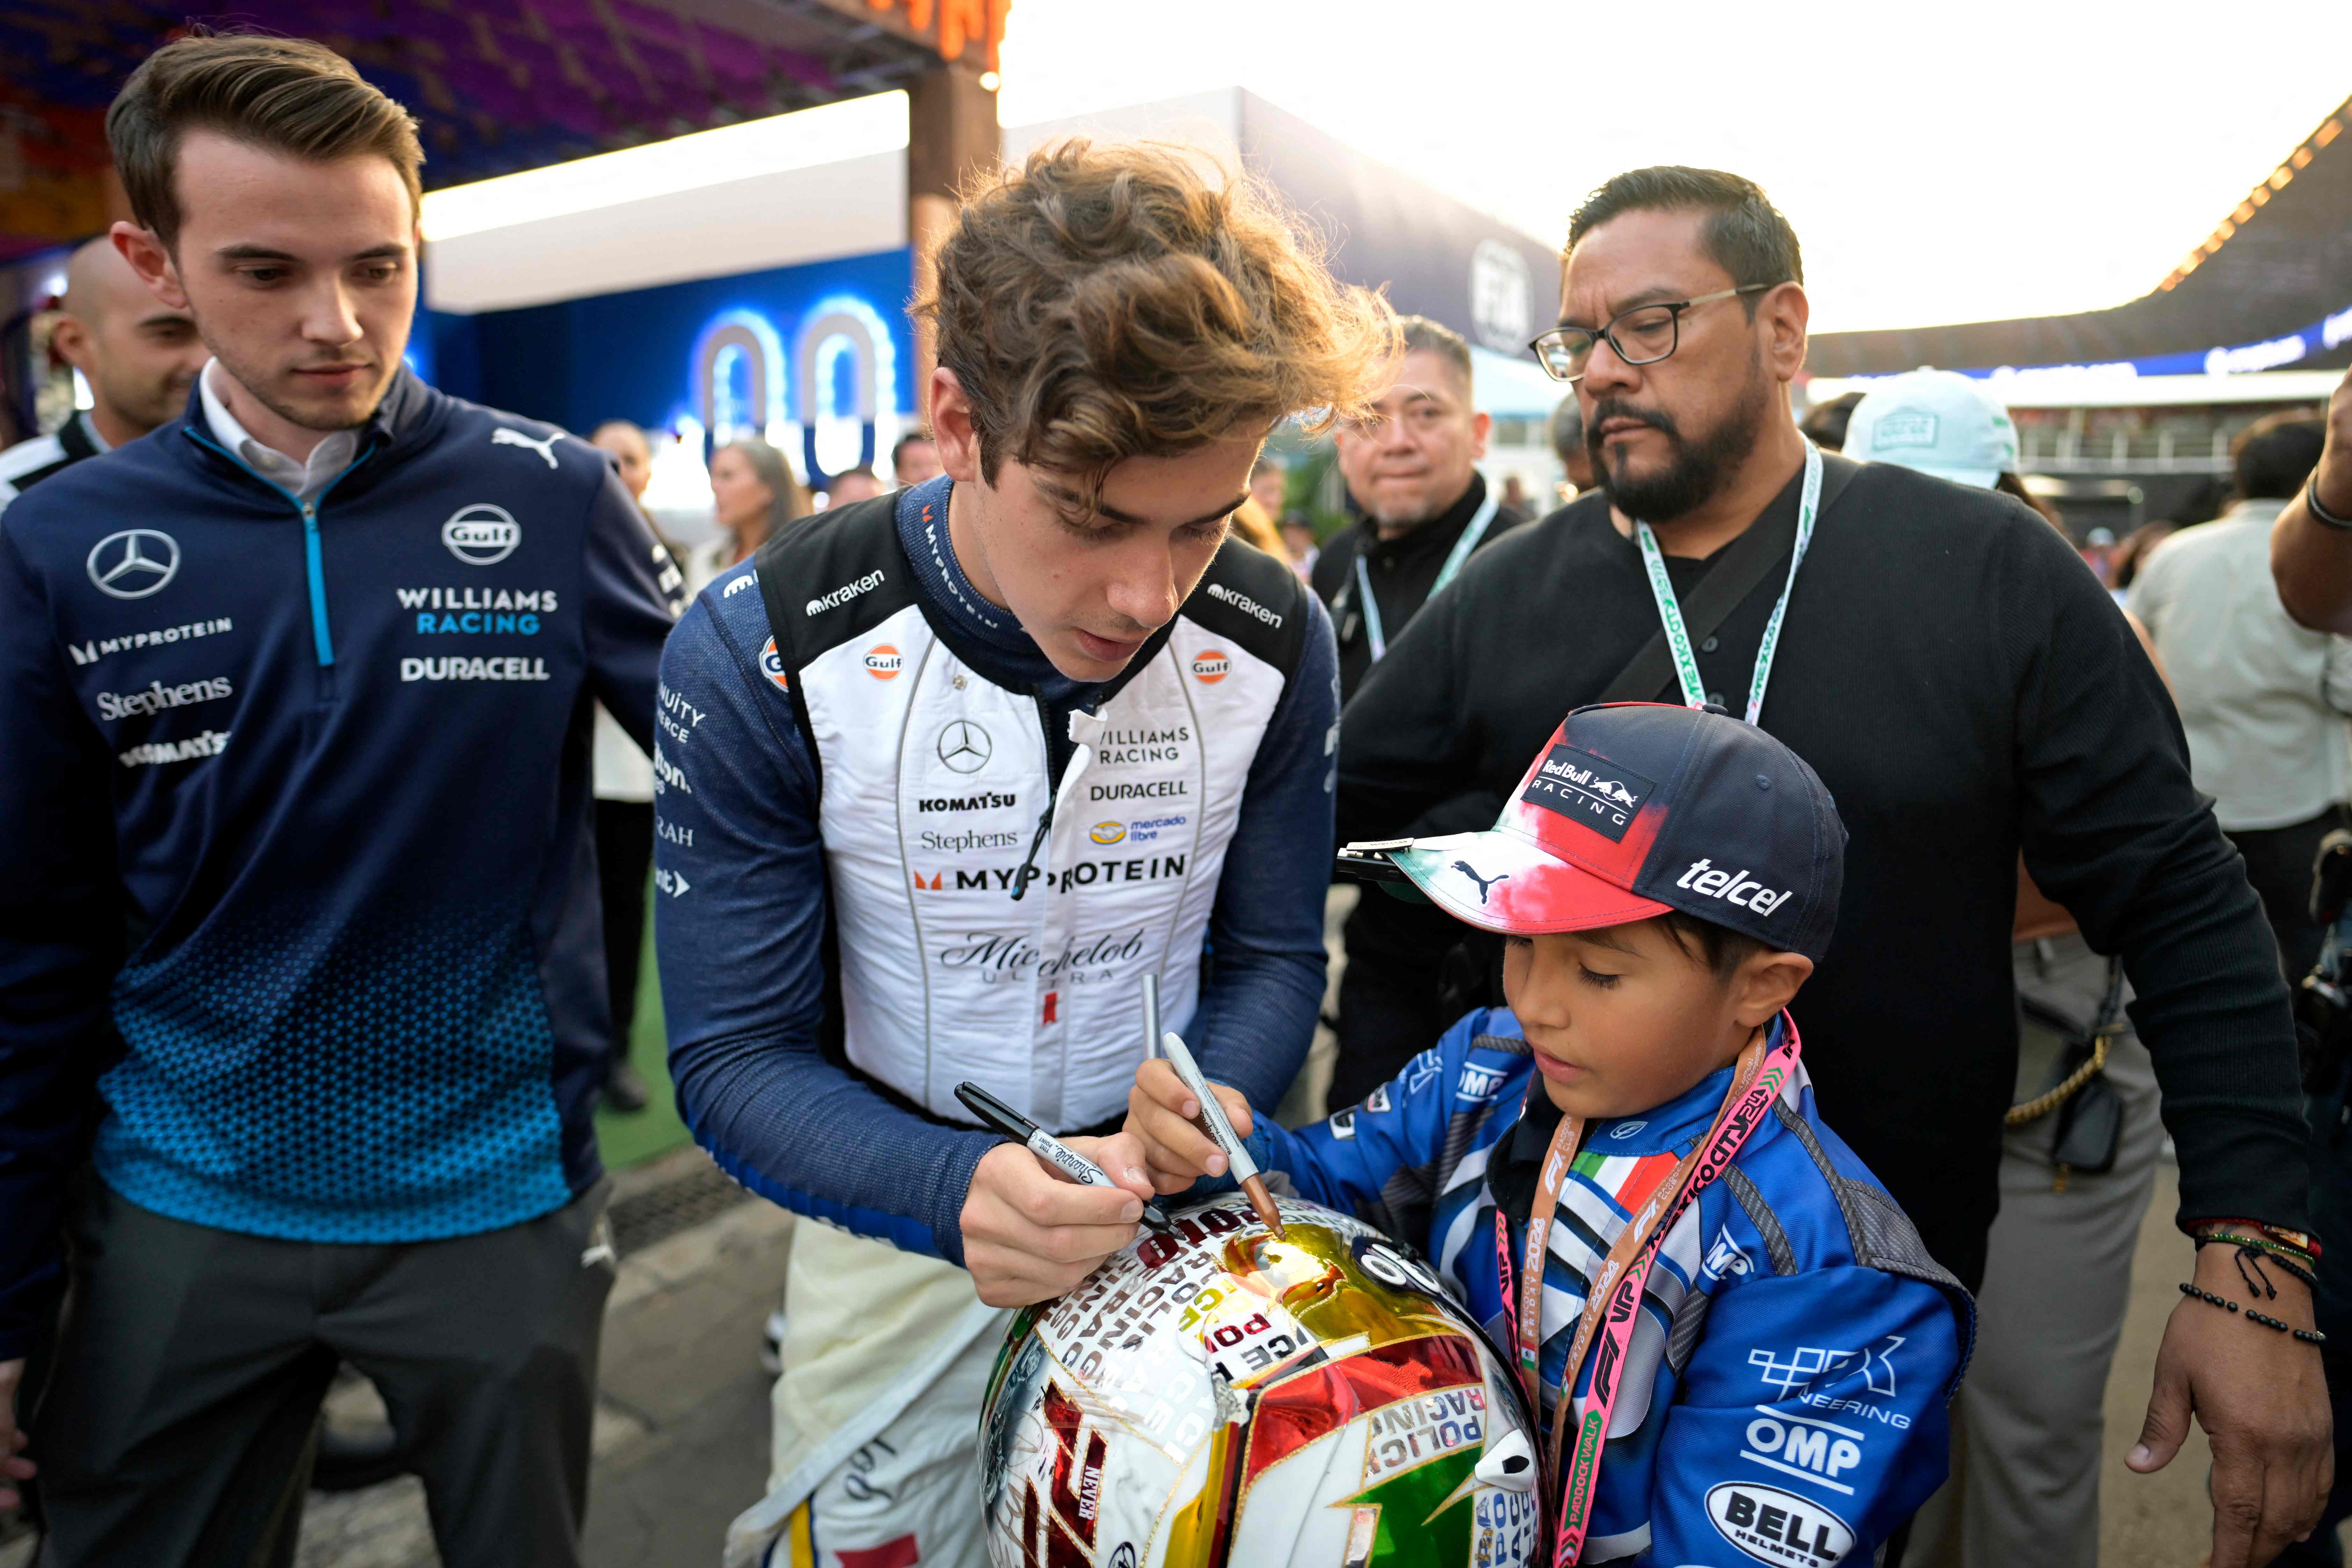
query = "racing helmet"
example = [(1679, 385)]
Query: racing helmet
[(1224, 1395)]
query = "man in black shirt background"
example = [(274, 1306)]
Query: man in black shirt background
[(1412, 471), (1965, 689), (137, 355)]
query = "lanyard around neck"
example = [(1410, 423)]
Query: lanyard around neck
[(1615, 1293), (1462, 546), (1661, 588)]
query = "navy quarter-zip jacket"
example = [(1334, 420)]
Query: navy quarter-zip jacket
[(299, 925)]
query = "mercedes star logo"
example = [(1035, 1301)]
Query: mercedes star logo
[(134, 562), (964, 746)]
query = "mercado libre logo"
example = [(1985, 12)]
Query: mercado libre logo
[(883, 662), (1211, 665), (1107, 832)]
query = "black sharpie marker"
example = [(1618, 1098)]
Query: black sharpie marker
[(1001, 1118)]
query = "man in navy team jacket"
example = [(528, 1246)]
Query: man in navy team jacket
[(298, 930)]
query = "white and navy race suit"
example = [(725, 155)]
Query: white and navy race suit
[(856, 754)]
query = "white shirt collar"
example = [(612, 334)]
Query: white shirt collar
[(306, 480)]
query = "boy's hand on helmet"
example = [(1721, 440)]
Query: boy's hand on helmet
[(1159, 1112)]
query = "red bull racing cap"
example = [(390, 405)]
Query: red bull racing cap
[(1633, 809)]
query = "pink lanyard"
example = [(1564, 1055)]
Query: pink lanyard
[(1756, 1083)]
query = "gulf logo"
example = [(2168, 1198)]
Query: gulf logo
[(772, 665), (883, 661), (1211, 665), (1108, 832)]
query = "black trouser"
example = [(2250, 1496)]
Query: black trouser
[(176, 1429), (2278, 863), (624, 853)]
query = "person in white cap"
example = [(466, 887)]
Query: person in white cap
[(2078, 1154)]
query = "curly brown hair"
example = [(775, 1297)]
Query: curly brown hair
[(1102, 303)]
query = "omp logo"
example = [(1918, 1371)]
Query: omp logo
[(842, 594), (883, 662), (772, 665), (505, 436), (481, 534), (211, 744), (1211, 665), (1810, 1364), (736, 585), (1477, 1083), (1815, 1451), (159, 697), (1774, 1526), (91, 652), (1244, 603), (133, 564), (1725, 1257), (1731, 887), (1904, 427), (1107, 832)]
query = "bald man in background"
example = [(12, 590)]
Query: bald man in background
[(138, 355)]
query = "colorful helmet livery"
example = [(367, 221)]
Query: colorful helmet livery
[(1221, 1396)]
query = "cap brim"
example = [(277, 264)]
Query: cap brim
[(1500, 881)]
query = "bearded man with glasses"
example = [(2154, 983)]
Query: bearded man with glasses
[(1966, 690)]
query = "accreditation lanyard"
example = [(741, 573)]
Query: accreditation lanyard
[(1661, 588), (1757, 1082), (1462, 546)]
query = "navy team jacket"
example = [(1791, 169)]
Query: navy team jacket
[(297, 890), (1783, 1397)]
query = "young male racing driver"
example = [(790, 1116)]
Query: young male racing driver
[(943, 775)]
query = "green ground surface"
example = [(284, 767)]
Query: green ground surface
[(633, 1140)]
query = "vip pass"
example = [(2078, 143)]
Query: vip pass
[(1661, 588)]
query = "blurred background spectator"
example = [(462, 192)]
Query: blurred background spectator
[(857, 484), (915, 458), (1298, 544), (625, 820), (752, 493), (137, 356), (1269, 484), (1825, 425), (2263, 701), (1568, 444)]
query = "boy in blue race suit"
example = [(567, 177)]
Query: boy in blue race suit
[(1665, 879)]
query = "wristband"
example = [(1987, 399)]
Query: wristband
[(2311, 496)]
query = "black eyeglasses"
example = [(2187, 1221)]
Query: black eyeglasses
[(1643, 335)]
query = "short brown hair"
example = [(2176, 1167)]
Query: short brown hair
[(288, 94), (1102, 303)]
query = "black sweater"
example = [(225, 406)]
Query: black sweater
[(1403, 571), (1966, 687)]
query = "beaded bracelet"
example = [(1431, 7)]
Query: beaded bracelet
[(2301, 1244), (2308, 1336), (2270, 1250)]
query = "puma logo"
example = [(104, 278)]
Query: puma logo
[(545, 446), (1484, 882)]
